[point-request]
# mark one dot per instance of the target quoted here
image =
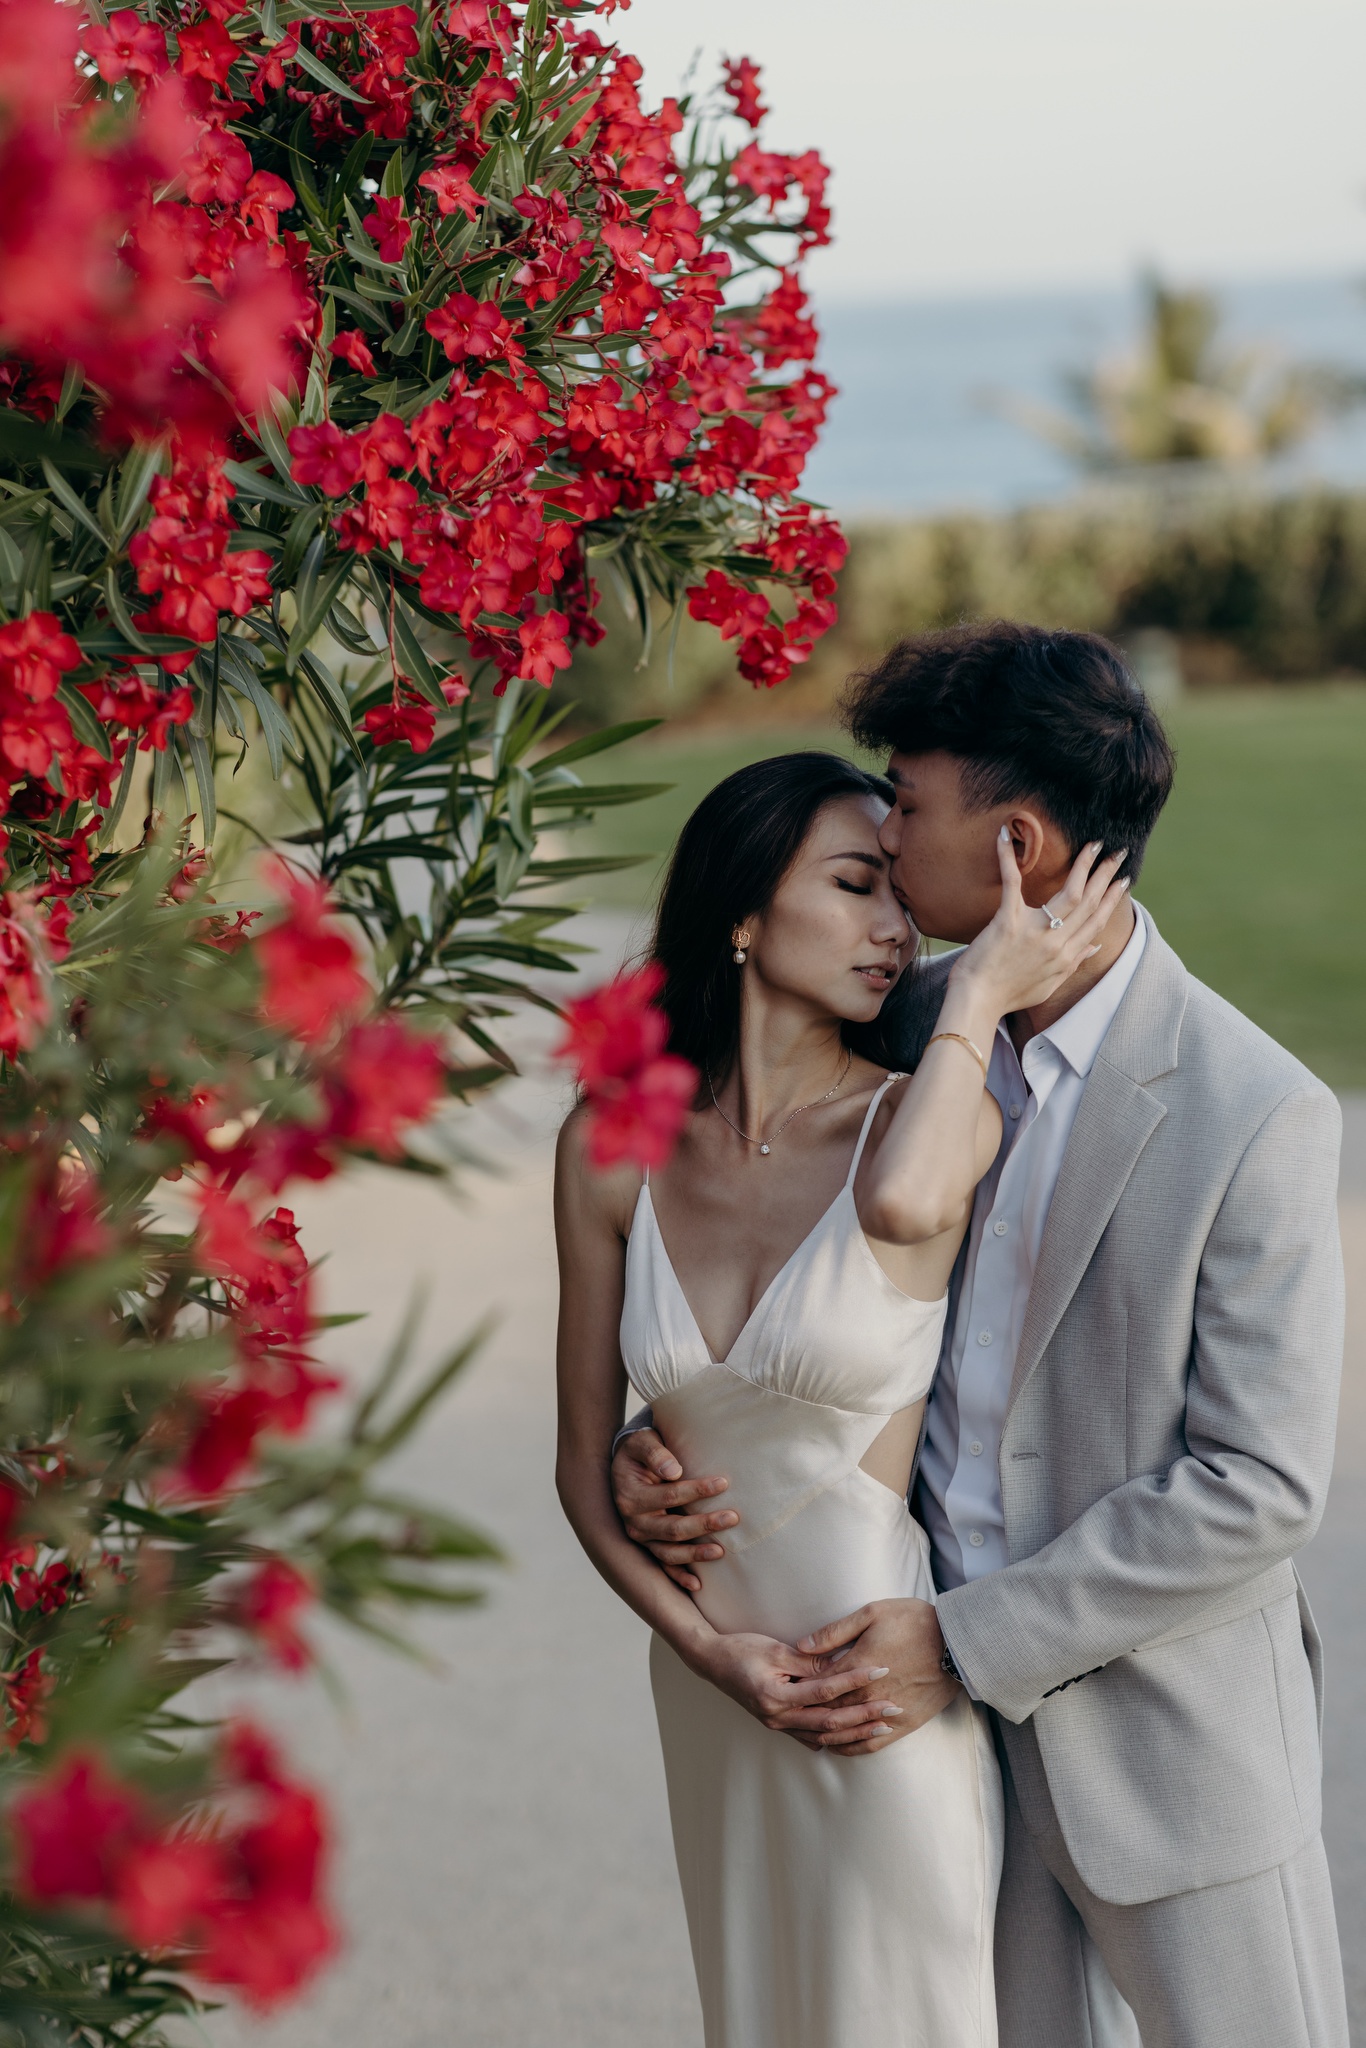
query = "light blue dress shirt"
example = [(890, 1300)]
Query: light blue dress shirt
[(960, 1480)]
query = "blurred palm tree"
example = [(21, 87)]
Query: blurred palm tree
[(1179, 396)]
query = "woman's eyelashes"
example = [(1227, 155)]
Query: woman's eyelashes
[(854, 888)]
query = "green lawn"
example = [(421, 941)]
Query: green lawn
[(1256, 874)]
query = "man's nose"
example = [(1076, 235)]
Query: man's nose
[(889, 834)]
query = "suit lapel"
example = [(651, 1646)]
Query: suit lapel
[(1116, 1118), (1115, 1121)]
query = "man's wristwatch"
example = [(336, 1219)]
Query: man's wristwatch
[(948, 1667)]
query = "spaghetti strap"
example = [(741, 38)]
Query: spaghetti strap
[(868, 1125)]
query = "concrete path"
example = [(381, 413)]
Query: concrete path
[(506, 1874)]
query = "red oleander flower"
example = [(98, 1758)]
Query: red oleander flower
[(354, 349), (383, 1078), (126, 45), (468, 327), (409, 719), (642, 1120), (454, 193), (615, 1031), (269, 1606), (728, 606), (326, 456), (310, 969), (206, 51), (387, 228), (545, 647), (166, 1885), (27, 1691), (34, 655), (71, 1829), (742, 83)]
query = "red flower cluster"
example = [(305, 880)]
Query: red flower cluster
[(268, 1608), (124, 248), (639, 1096), (239, 1897), (181, 557), (376, 1079)]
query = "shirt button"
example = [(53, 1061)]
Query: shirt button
[(976, 1450), (984, 1337), (1000, 1226), (977, 1539), (1016, 1112)]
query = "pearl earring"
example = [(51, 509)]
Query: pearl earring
[(741, 942)]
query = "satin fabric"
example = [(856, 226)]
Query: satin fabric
[(832, 1902)]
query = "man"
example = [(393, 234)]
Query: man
[(1132, 1428)]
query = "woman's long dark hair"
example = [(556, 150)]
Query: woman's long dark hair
[(731, 855)]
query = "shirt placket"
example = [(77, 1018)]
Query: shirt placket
[(999, 1286)]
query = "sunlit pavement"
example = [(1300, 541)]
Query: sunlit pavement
[(506, 1876)]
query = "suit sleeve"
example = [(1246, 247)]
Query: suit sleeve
[(1261, 1411)]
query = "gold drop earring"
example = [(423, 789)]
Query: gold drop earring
[(740, 940)]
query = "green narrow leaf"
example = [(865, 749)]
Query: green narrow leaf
[(73, 384), (324, 75), (62, 491), (201, 760), (135, 481), (596, 743), (273, 441), (119, 612), (415, 659), (252, 484), (88, 728)]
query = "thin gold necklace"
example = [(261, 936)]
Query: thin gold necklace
[(766, 1144)]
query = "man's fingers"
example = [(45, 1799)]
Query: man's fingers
[(689, 1581), (684, 1553), (645, 1526), (648, 1452), (844, 1723), (657, 1498), (836, 1634), (823, 1687)]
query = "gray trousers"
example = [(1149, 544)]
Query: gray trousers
[(1254, 1964)]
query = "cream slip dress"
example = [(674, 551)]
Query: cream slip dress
[(832, 1902)]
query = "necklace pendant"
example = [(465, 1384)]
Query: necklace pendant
[(764, 1149)]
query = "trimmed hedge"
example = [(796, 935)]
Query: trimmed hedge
[(1255, 587)]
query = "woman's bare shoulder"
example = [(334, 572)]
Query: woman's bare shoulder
[(598, 1195)]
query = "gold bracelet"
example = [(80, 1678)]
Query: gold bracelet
[(959, 1039)]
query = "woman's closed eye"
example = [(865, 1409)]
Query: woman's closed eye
[(854, 888)]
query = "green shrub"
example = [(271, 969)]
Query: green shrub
[(1271, 587)]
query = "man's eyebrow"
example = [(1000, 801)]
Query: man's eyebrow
[(902, 781), (869, 860)]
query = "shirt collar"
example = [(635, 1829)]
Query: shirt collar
[(1080, 1032)]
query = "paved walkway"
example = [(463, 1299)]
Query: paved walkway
[(506, 1874)]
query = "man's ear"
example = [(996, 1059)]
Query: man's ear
[(1029, 836), (1041, 852)]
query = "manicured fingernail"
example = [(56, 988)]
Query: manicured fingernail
[(890, 1713), (807, 1643), (882, 1671), (1124, 881), (1005, 834)]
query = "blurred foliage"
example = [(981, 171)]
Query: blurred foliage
[(1181, 396)]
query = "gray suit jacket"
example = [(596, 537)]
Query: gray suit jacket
[(1166, 1450)]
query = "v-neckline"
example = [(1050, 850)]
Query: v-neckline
[(743, 1331)]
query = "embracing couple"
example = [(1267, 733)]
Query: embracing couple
[(1036, 1239)]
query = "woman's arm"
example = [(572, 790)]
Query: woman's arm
[(591, 1216), (945, 1131)]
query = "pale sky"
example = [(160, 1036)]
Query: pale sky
[(983, 145)]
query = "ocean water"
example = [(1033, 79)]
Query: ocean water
[(914, 428)]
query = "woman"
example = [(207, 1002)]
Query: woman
[(778, 1295)]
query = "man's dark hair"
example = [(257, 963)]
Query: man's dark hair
[(1058, 717)]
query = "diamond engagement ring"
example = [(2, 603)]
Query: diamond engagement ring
[(1054, 923)]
